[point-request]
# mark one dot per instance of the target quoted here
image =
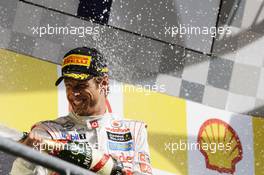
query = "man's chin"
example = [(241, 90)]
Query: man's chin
[(81, 112), (78, 109)]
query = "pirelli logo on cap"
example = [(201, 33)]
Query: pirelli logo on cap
[(75, 59)]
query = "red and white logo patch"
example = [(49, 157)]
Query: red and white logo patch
[(94, 124)]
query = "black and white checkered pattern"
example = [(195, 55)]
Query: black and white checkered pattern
[(233, 80)]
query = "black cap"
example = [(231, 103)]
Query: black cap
[(83, 63)]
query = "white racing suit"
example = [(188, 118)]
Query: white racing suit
[(123, 139)]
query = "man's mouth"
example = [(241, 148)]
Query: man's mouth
[(80, 102), (77, 102)]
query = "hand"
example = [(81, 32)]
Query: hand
[(33, 139)]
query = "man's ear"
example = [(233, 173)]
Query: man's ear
[(105, 81), (104, 84)]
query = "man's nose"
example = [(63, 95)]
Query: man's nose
[(76, 93)]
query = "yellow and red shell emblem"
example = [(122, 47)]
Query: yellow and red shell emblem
[(228, 150)]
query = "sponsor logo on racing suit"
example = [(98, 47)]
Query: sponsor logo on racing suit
[(119, 137), (73, 136), (124, 146)]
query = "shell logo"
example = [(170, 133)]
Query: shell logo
[(227, 149)]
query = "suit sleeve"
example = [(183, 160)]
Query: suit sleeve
[(141, 162), (23, 167)]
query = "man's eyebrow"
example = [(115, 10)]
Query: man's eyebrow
[(69, 82), (82, 82)]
